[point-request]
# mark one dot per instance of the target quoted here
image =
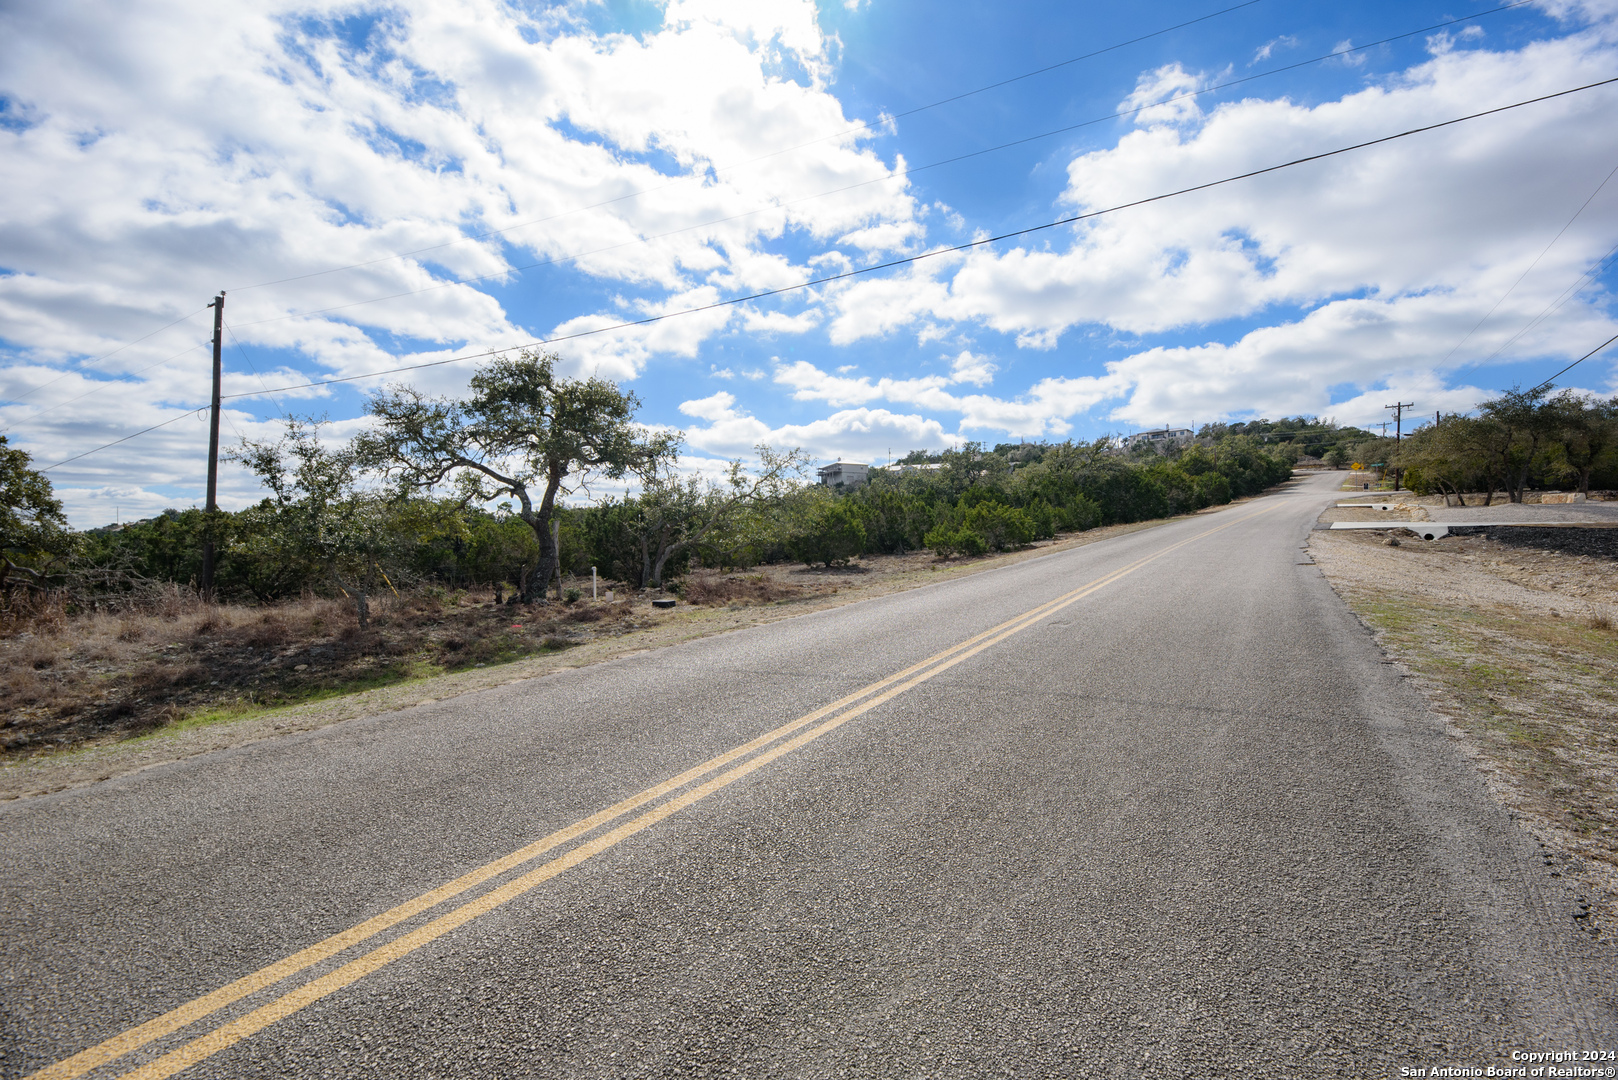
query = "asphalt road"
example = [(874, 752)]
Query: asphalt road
[(1182, 821)]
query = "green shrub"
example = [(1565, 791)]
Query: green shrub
[(1078, 515), (1213, 489), (985, 527), (949, 540), (1001, 527), (832, 533)]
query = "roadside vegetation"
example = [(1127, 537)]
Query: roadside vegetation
[(1521, 441), (464, 532)]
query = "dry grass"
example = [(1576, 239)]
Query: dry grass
[(1516, 648), (715, 589), (69, 681)]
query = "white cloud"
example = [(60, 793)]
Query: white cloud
[(1043, 411), (779, 322), (856, 434), (155, 152), (1267, 50), (968, 368), (1168, 81), (1401, 221), (1344, 50), (161, 150), (713, 407)]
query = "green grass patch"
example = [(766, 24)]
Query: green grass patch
[(490, 651), (393, 675)]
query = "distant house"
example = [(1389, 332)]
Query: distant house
[(845, 474), (1161, 435)]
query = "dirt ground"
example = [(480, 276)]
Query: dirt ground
[(1515, 646), (89, 698)]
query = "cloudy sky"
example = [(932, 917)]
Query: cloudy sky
[(383, 184)]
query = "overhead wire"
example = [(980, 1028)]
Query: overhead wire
[(1537, 259), (106, 385), (256, 373), (627, 324), (890, 175), (1548, 383), (116, 442), (954, 248), (861, 126), (136, 435), (1071, 219), (1583, 282), (115, 352)]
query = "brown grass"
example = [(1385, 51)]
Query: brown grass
[(711, 588), (66, 681), (1494, 638)]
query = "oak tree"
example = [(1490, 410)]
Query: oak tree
[(522, 431)]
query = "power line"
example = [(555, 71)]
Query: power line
[(890, 175), (772, 206), (116, 442), (1548, 383), (107, 385), (896, 262), (860, 126), (1582, 282), (1560, 233), (256, 373), (114, 352), (953, 248), (141, 371)]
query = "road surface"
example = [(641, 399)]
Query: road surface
[(1152, 807)]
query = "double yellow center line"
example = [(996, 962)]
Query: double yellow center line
[(802, 731)]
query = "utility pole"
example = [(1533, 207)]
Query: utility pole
[(1398, 433), (212, 505), (1398, 417)]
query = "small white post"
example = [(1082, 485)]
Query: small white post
[(592, 583)]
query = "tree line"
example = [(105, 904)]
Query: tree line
[(1521, 441), (496, 488)]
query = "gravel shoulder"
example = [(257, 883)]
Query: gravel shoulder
[(814, 589), (1516, 648)]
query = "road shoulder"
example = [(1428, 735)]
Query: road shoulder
[(1515, 649)]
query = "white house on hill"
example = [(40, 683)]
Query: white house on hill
[(845, 474), (1161, 435)]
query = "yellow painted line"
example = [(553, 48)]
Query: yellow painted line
[(199, 1008)]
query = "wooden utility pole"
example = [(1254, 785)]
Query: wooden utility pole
[(212, 505), (1398, 433), (1398, 416)]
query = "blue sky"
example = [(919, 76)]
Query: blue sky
[(314, 158)]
